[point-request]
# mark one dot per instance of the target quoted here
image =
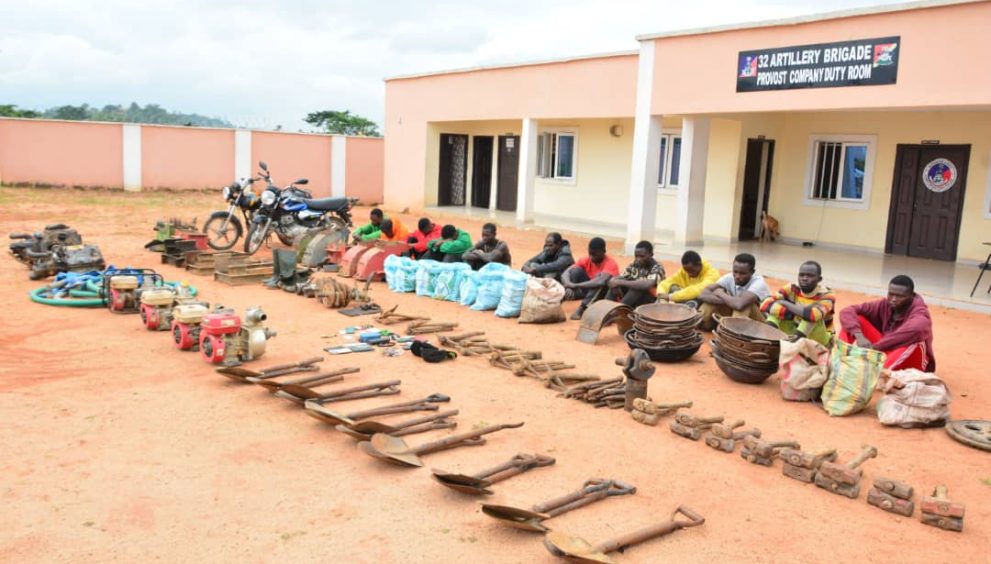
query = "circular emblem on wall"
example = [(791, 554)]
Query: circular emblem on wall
[(939, 175)]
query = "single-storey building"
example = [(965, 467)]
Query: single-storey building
[(867, 130)]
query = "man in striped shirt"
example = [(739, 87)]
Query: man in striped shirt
[(804, 309)]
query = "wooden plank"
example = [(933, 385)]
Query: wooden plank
[(241, 279)]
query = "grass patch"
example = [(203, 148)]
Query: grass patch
[(289, 536), (986, 482)]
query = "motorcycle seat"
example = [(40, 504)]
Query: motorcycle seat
[(327, 204)]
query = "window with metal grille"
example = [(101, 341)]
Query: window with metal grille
[(838, 171)]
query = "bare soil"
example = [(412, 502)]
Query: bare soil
[(116, 446)]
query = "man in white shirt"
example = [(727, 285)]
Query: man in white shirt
[(737, 294)]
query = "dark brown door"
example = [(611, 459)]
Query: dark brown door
[(756, 186), (927, 200), (452, 176), (481, 171), (509, 165)]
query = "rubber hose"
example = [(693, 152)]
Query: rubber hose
[(36, 296)]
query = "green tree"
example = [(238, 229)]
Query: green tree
[(342, 123), (10, 110), (71, 112)]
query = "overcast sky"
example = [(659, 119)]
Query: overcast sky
[(261, 63)]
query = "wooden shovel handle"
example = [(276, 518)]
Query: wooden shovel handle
[(305, 362), (391, 410), (376, 386), (423, 427), (589, 487), (659, 530), (386, 391), (463, 437), (425, 419)]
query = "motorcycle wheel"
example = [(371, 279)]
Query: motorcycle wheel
[(222, 240), (257, 234)]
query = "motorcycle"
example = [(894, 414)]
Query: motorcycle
[(223, 229), (291, 212)]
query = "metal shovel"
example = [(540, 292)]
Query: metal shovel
[(363, 430), (323, 413), (579, 550), (478, 483), (316, 380), (395, 450), (532, 519), (241, 374), (301, 395)]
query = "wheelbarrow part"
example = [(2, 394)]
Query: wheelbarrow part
[(240, 373), (579, 550), (371, 427), (478, 483), (971, 432), (601, 314), (532, 519), (327, 415), (393, 449)]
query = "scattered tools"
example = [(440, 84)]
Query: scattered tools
[(758, 451), (650, 413), (395, 450), (561, 382), (724, 437), (803, 466), (332, 417), (424, 326), (691, 427), (532, 519), (301, 394), (273, 385), (938, 511), (336, 294), (844, 479), (225, 338), (600, 393), (363, 430), (638, 369), (579, 550), (241, 374), (478, 483), (390, 317), (892, 496)]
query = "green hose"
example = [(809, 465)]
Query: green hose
[(36, 296)]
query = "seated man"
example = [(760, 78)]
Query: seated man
[(587, 280), (553, 260), (488, 249), (738, 294), (638, 283), (898, 326), (449, 247), (371, 230), (426, 231), (804, 309), (393, 230), (688, 282)]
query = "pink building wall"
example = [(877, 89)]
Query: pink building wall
[(61, 153), (290, 156), (186, 158), (364, 170)]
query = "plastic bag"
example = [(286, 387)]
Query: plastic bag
[(469, 288), (426, 277), (542, 301), (853, 375), (447, 285), (914, 399), (804, 368), (406, 275), (391, 267), (513, 289), (489, 286)]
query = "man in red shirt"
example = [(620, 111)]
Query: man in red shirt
[(425, 232), (588, 279)]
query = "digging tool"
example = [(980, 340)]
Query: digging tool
[(300, 395), (757, 451), (395, 450), (844, 479), (363, 430), (579, 550), (803, 466), (691, 427), (532, 519), (478, 483), (939, 511), (317, 380), (241, 374), (729, 444), (638, 369), (892, 496), (323, 413)]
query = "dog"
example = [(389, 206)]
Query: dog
[(769, 230)]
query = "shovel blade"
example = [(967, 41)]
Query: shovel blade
[(462, 483), (402, 458), (574, 548), (371, 427), (517, 517), (325, 414)]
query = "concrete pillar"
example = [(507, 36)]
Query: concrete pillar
[(691, 184), (527, 172), (132, 157), (338, 166), (242, 153), (642, 206)]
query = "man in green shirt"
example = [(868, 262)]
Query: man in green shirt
[(452, 244), (370, 231)]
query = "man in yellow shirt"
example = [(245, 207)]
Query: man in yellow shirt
[(685, 285)]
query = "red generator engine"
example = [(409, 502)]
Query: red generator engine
[(123, 294), (156, 308), (186, 319), (225, 339)]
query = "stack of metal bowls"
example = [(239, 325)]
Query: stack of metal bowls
[(665, 331), (746, 350)]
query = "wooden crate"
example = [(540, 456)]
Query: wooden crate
[(205, 263), (238, 269)]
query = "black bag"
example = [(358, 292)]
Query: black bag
[(430, 353)]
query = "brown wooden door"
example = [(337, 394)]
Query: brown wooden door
[(452, 176), (927, 200), (508, 170), (481, 171)]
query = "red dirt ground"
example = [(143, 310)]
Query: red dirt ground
[(116, 446)]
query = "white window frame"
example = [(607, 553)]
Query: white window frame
[(667, 187), (864, 202), (550, 161), (987, 198)]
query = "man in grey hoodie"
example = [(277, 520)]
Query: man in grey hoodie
[(553, 260)]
